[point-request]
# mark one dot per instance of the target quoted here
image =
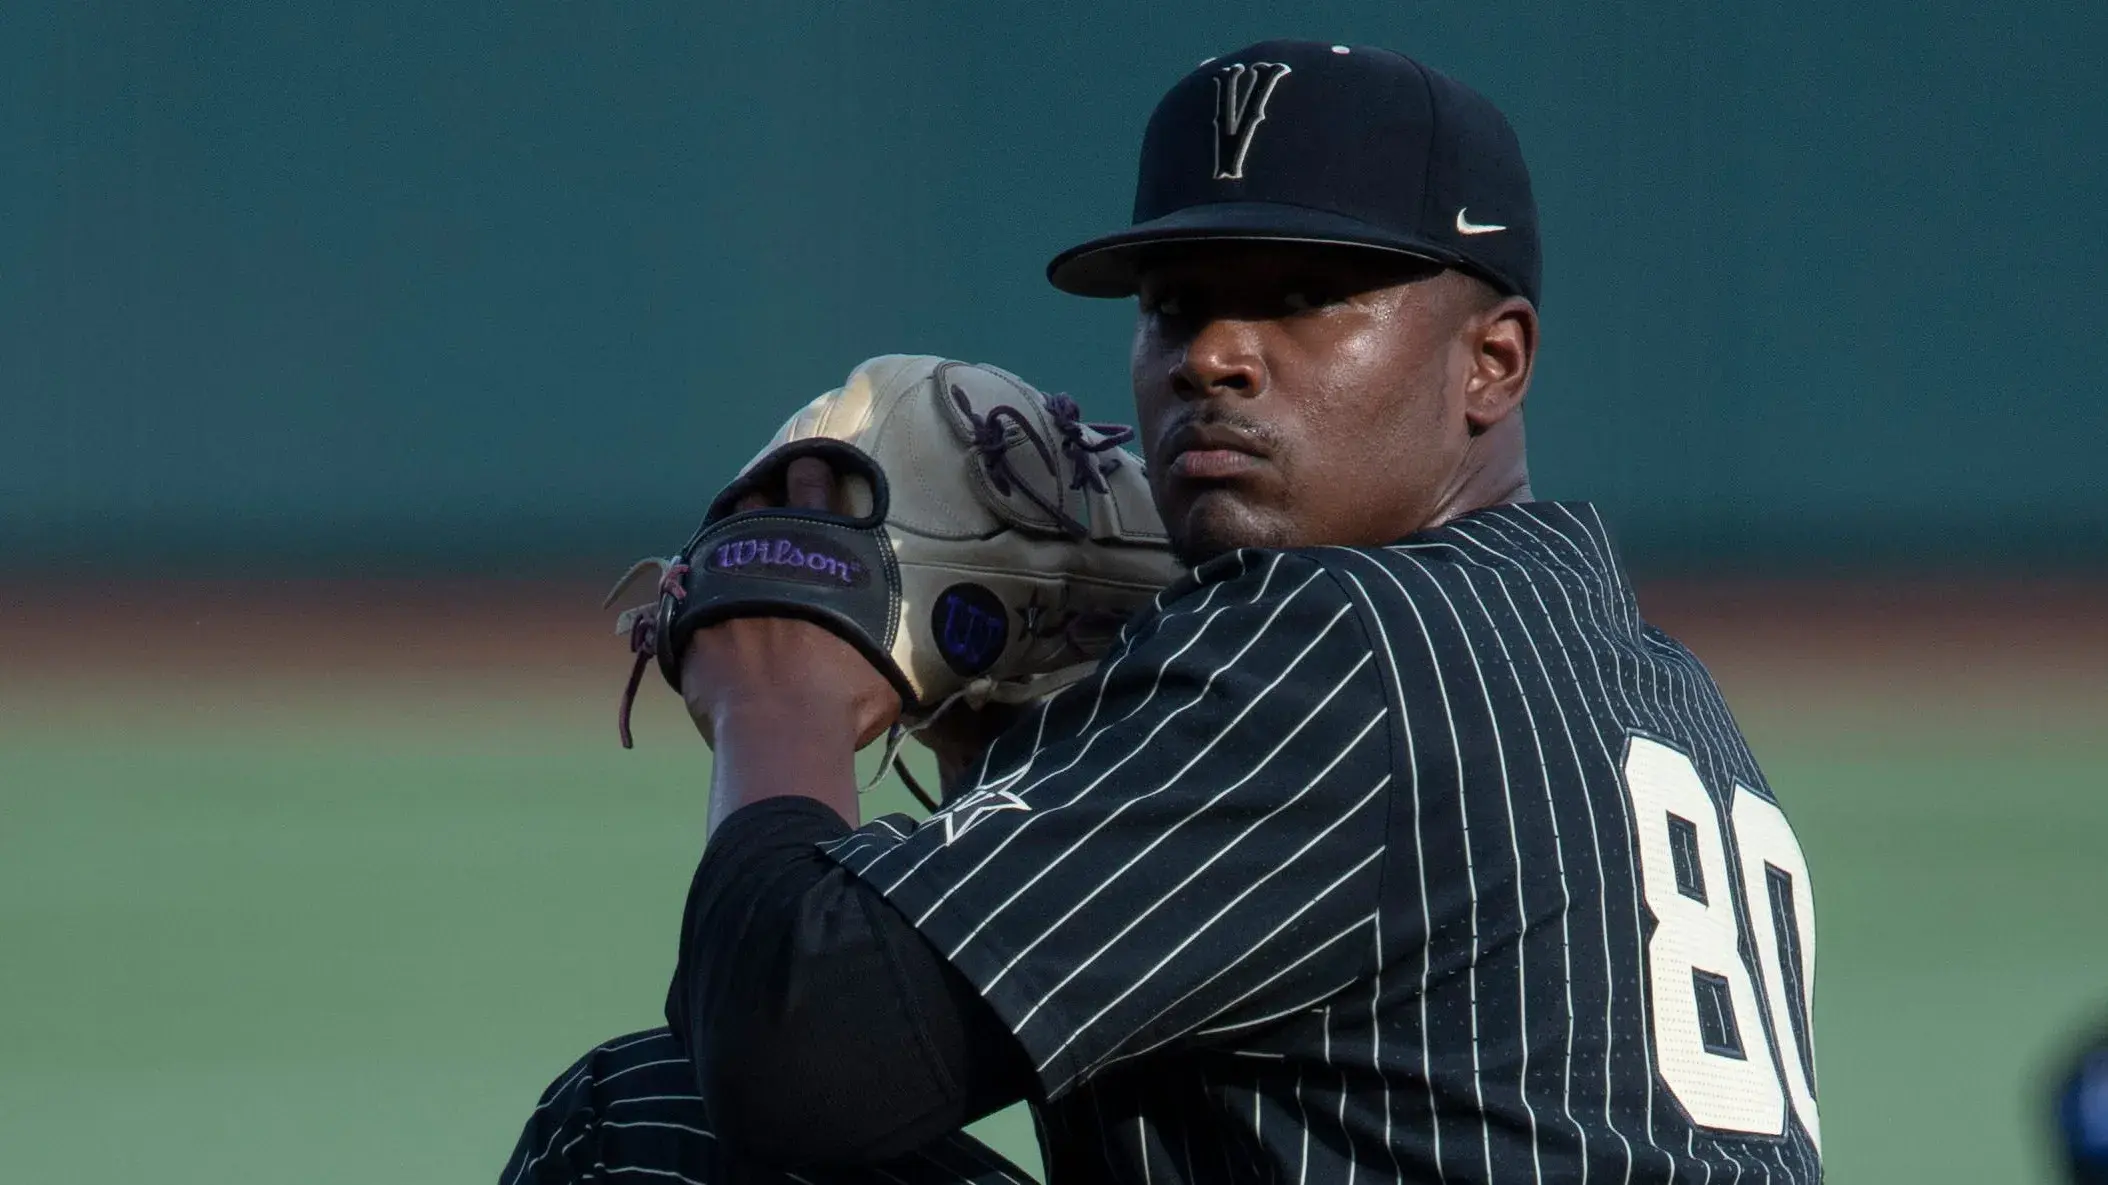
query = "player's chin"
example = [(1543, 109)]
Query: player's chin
[(1213, 520)]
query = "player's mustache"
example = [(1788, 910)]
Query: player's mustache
[(1252, 435)]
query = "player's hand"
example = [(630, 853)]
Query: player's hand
[(785, 669)]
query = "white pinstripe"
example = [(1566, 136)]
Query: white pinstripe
[(855, 844), (1551, 810), (1142, 1143), (1039, 730), (1276, 977), (1456, 745), (564, 1086), (664, 1061), (1291, 1010), (1602, 885), (1303, 1117), (1412, 763), (1522, 909), (679, 1127), (1376, 1052), (1552, 816), (1190, 877), (584, 1063), (1166, 784), (652, 1172), (1588, 594), (1158, 624), (1180, 947), (1083, 750)]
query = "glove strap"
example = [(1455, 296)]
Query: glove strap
[(787, 563)]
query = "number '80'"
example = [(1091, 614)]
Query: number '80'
[(1710, 1042)]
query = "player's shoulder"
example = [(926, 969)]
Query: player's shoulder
[(1252, 576), (1363, 585), (1250, 597), (1533, 539), (1551, 565), (1545, 568)]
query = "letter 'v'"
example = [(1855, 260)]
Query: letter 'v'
[(1241, 95)]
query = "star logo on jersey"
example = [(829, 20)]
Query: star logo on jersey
[(960, 817)]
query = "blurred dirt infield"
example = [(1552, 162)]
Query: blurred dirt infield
[(2038, 651)]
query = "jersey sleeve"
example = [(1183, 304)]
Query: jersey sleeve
[(1182, 846)]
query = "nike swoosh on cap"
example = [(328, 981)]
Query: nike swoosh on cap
[(1466, 227)]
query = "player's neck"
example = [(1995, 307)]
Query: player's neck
[(1495, 472)]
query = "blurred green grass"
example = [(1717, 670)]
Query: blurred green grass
[(298, 933)]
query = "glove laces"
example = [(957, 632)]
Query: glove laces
[(642, 626), (1087, 469)]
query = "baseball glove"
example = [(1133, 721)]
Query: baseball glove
[(995, 542)]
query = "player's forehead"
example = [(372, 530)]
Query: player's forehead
[(1273, 266)]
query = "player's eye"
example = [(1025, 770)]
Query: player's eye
[(1311, 296)]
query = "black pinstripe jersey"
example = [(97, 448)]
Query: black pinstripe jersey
[(1422, 863)]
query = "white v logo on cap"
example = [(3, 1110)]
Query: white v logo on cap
[(1241, 93), (1466, 227)]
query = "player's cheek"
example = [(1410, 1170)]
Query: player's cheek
[(1150, 374), (1145, 357)]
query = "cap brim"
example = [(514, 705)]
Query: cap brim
[(1107, 266)]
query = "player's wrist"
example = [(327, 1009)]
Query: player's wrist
[(801, 715), (787, 676), (770, 745)]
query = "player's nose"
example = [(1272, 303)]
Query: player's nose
[(1223, 358)]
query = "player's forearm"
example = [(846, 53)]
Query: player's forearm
[(780, 743)]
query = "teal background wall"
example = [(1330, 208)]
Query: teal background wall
[(432, 286)]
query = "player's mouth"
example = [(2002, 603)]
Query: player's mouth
[(1212, 452)]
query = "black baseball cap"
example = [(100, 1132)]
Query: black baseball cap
[(1303, 141)]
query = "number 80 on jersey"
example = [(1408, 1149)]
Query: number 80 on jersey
[(1710, 1041)]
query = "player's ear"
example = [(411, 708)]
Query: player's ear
[(1502, 340)]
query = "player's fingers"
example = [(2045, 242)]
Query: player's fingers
[(754, 501), (809, 484)]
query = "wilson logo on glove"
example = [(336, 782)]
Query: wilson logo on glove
[(971, 627), (785, 556)]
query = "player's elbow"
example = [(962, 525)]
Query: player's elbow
[(759, 1113), (807, 1048), (781, 1094)]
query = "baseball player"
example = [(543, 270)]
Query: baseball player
[(1388, 842)]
